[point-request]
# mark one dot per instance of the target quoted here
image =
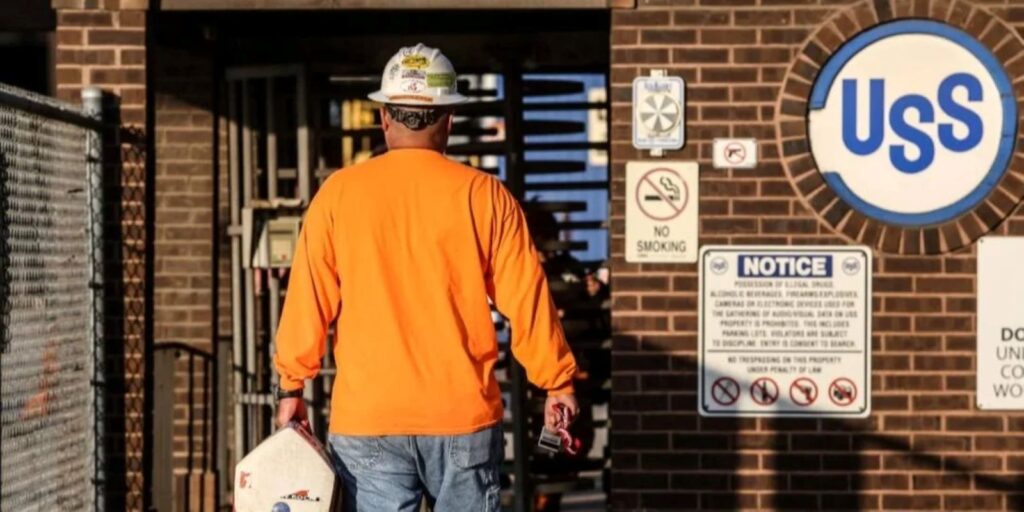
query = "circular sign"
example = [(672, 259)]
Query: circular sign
[(725, 391), (851, 265), (719, 265), (659, 113), (764, 391), (662, 194), (734, 153), (803, 391), (842, 392), (912, 122)]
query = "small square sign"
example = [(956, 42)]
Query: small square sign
[(734, 153), (659, 112)]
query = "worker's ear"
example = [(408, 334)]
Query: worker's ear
[(385, 121), (451, 120)]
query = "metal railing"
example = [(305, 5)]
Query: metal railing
[(195, 488)]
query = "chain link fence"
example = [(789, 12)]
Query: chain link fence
[(49, 313)]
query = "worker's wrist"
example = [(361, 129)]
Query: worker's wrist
[(280, 392), (565, 389)]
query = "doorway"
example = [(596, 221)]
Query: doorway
[(538, 120)]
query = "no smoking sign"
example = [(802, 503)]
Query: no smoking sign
[(661, 212)]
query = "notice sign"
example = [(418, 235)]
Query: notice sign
[(1000, 323), (661, 212), (785, 331)]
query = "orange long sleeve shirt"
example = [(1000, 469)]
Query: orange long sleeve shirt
[(409, 247)]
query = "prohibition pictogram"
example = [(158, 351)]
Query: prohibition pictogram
[(764, 391), (662, 194), (725, 391), (842, 392), (803, 391), (735, 153)]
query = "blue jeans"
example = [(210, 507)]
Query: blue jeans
[(394, 473)]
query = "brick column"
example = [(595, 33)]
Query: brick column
[(103, 43)]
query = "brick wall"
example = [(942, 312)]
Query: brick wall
[(924, 446), (184, 96), (102, 43), (183, 92)]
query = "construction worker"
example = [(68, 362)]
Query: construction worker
[(410, 247)]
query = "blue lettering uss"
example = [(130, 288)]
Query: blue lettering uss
[(910, 134)]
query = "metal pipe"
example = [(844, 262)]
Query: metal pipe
[(218, 402), (53, 110), (303, 163), (92, 106), (249, 279), (302, 137), (516, 181), (272, 281), (236, 266), (271, 142)]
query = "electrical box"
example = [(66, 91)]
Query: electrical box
[(277, 241), (269, 242)]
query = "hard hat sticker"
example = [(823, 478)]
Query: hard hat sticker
[(418, 74), (440, 80), (415, 61)]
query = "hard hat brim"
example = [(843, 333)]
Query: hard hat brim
[(410, 100)]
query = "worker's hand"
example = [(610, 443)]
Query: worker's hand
[(292, 409), (551, 414)]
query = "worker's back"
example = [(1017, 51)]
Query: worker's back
[(412, 233), (412, 237)]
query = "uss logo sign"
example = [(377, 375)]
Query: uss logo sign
[(912, 122)]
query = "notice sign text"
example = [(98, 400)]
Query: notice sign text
[(785, 331)]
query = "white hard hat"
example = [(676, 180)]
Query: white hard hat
[(418, 75)]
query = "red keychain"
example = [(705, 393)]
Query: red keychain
[(564, 440)]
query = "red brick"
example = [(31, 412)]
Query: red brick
[(69, 37), (84, 19), (760, 55), (668, 37), (701, 55), (622, 18), (727, 36), (639, 55), (117, 37), (763, 17), (700, 17)]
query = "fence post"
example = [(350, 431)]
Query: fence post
[(92, 106), (164, 365)]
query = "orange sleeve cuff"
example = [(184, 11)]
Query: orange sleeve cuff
[(288, 384), (565, 389)]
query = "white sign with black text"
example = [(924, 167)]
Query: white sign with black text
[(661, 212), (734, 153), (785, 331), (1000, 323)]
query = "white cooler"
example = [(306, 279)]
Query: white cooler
[(288, 472)]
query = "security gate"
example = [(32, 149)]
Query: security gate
[(49, 159)]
